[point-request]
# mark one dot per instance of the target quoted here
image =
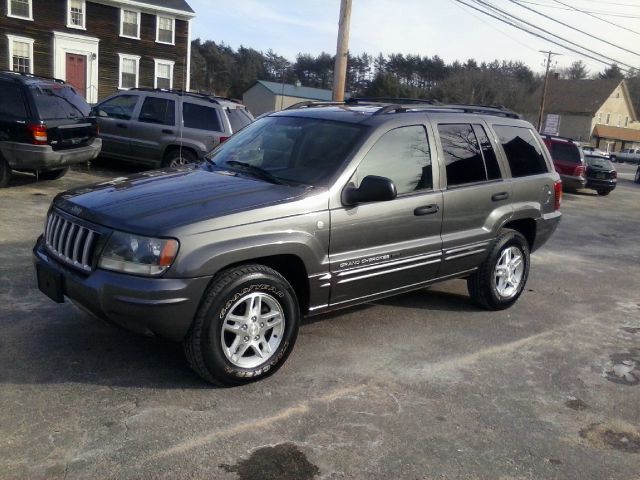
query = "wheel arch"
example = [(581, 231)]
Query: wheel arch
[(526, 227)]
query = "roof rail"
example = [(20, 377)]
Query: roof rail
[(203, 95), (498, 110), (397, 101), (310, 103), (31, 75)]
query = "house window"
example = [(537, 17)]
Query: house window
[(600, 118), (20, 54), (129, 71), (165, 30), (608, 118), (626, 122), (20, 9), (619, 120), (163, 74), (76, 13), (130, 24)]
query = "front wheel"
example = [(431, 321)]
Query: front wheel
[(245, 328), (500, 279), (637, 177)]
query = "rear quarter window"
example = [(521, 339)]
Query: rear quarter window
[(522, 150)]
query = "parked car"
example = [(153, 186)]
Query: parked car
[(630, 155), (305, 211), (568, 160), (166, 127), (44, 127), (601, 174), (636, 179), (593, 151)]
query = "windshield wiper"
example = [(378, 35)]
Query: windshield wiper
[(257, 171)]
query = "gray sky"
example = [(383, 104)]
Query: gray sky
[(425, 27)]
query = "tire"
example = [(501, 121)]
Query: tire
[(53, 174), (5, 172), (492, 292), (603, 192), (223, 343), (179, 156), (637, 177), (614, 159)]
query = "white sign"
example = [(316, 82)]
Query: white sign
[(552, 124)]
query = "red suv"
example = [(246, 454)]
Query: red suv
[(568, 160)]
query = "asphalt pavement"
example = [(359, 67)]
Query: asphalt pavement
[(420, 386)]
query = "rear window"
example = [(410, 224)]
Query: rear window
[(238, 118), (56, 101), (565, 152), (598, 162), (12, 101), (523, 152), (200, 117)]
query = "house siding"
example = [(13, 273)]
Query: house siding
[(102, 22)]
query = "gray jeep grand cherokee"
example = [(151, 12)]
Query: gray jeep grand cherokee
[(307, 210)]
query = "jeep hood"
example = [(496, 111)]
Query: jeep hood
[(155, 202)]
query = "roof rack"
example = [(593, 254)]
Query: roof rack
[(397, 101), (203, 95), (31, 75), (312, 103)]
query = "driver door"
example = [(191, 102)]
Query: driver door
[(381, 247)]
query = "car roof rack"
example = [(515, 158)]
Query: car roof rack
[(31, 75), (203, 95), (312, 103)]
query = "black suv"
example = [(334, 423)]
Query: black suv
[(302, 212), (44, 127)]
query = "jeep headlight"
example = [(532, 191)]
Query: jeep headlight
[(139, 255)]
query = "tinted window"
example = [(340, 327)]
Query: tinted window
[(298, 150), (522, 150), (200, 117), (238, 118), (120, 107), (58, 101), (462, 155), (565, 152), (490, 160), (158, 110), (401, 155), (11, 100), (598, 162)]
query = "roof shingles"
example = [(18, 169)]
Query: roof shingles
[(578, 96)]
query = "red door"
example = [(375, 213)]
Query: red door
[(77, 72)]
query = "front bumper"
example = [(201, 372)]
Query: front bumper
[(43, 157), (570, 181), (162, 306)]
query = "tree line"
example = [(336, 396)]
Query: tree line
[(219, 69)]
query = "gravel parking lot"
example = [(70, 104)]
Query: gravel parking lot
[(419, 386)]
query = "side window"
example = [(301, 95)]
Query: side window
[(158, 110), (200, 117), (490, 160), (462, 154), (120, 107), (12, 100), (523, 152), (402, 155)]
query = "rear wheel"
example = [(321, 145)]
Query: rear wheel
[(178, 157), (637, 177), (5, 172), (500, 279), (245, 328), (604, 192), (53, 174)]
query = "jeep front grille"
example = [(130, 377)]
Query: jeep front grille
[(69, 242)]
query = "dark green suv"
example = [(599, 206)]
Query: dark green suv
[(305, 211)]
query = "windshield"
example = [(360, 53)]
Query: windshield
[(296, 150), (56, 101)]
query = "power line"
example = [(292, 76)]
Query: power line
[(596, 17), (535, 34), (600, 12), (511, 16), (574, 28)]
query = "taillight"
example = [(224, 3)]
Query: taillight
[(614, 174), (38, 134), (223, 139), (557, 189), (579, 171)]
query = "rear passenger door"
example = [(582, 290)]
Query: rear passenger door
[(155, 128), (382, 247), (476, 196), (202, 125)]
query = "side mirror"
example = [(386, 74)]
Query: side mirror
[(372, 189)]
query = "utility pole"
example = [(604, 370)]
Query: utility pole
[(544, 88), (340, 67)]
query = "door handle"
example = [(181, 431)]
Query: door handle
[(121, 125), (499, 196), (426, 210), (166, 130)]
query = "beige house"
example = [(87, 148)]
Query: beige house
[(599, 112), (266, 96)]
